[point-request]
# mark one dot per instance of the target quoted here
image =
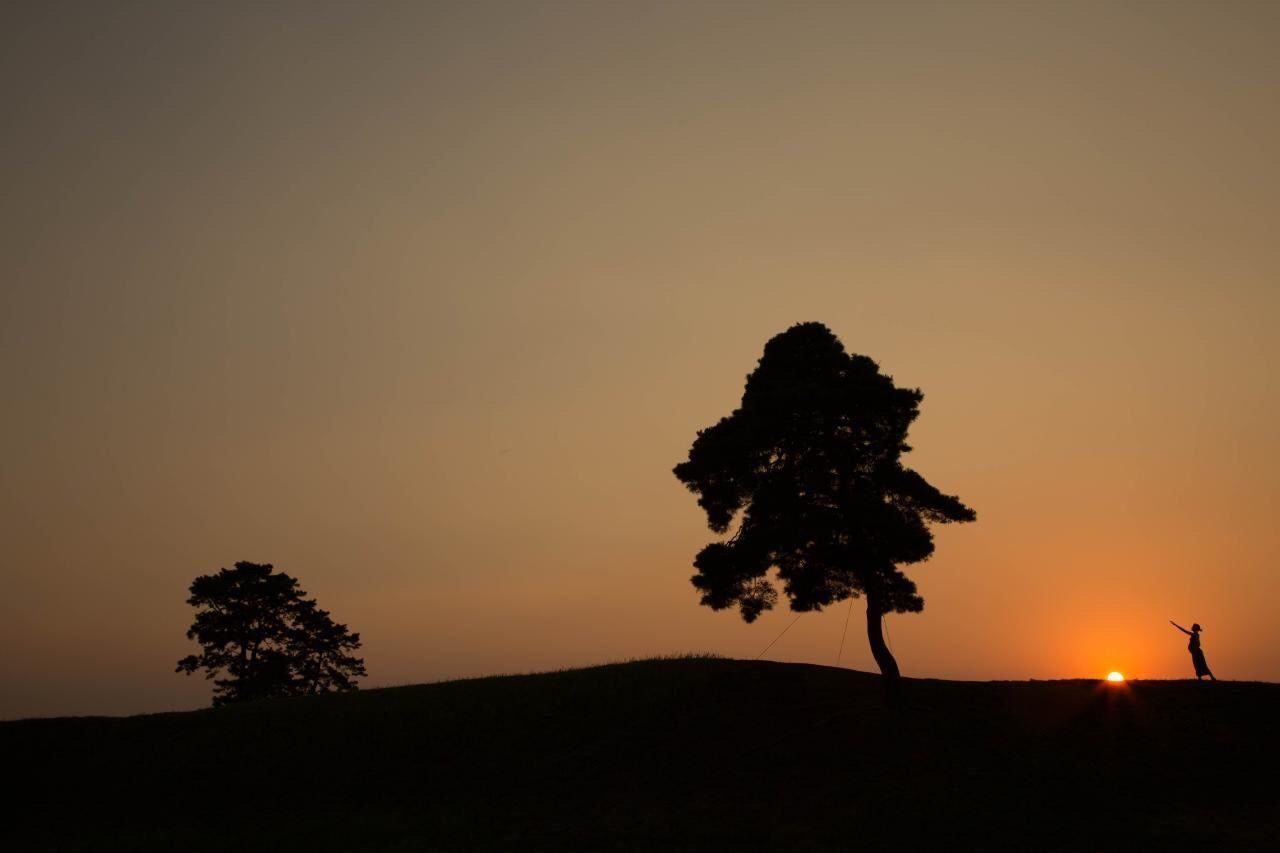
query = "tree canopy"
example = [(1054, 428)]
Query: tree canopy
[(809, 465), (258, 628)]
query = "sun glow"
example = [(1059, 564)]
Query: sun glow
[(1115, 676)]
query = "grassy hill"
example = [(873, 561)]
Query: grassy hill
[(666, 755)]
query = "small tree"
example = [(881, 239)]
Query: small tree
[(810, 464), (258, 628)]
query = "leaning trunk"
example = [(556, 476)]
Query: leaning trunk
[(875, 635)]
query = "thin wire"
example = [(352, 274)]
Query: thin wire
[(779, 637), (887, 639), (844, 632)]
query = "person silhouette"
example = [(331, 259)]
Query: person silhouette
[(1197, 656)]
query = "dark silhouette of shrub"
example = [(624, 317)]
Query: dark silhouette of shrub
[(809, 463), (258, 627)]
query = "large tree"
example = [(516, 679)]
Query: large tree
[(259, 628), (809, 466)]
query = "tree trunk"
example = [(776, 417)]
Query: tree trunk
[(875, 635)]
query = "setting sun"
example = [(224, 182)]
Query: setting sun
[(1115, 676)]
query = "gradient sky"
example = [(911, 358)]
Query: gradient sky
[(421, 303)]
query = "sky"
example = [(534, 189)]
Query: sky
[(422, 302)]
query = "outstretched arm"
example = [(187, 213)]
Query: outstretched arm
[(1179, 627)]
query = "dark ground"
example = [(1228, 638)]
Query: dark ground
[(666, 755)]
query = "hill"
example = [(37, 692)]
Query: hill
[(665, 755)]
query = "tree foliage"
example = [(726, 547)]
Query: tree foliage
[(809, 465), (258, 628)]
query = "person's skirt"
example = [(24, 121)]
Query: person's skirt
[(1197, 658)]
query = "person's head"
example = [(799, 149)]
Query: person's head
[(1196, 627)]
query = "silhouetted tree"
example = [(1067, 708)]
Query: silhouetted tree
[(809, 463), (259, 628)]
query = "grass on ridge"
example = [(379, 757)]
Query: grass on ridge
[(674, 754)]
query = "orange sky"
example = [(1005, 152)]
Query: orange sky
[(422, 303)]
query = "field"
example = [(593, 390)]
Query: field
[(666, 755)]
